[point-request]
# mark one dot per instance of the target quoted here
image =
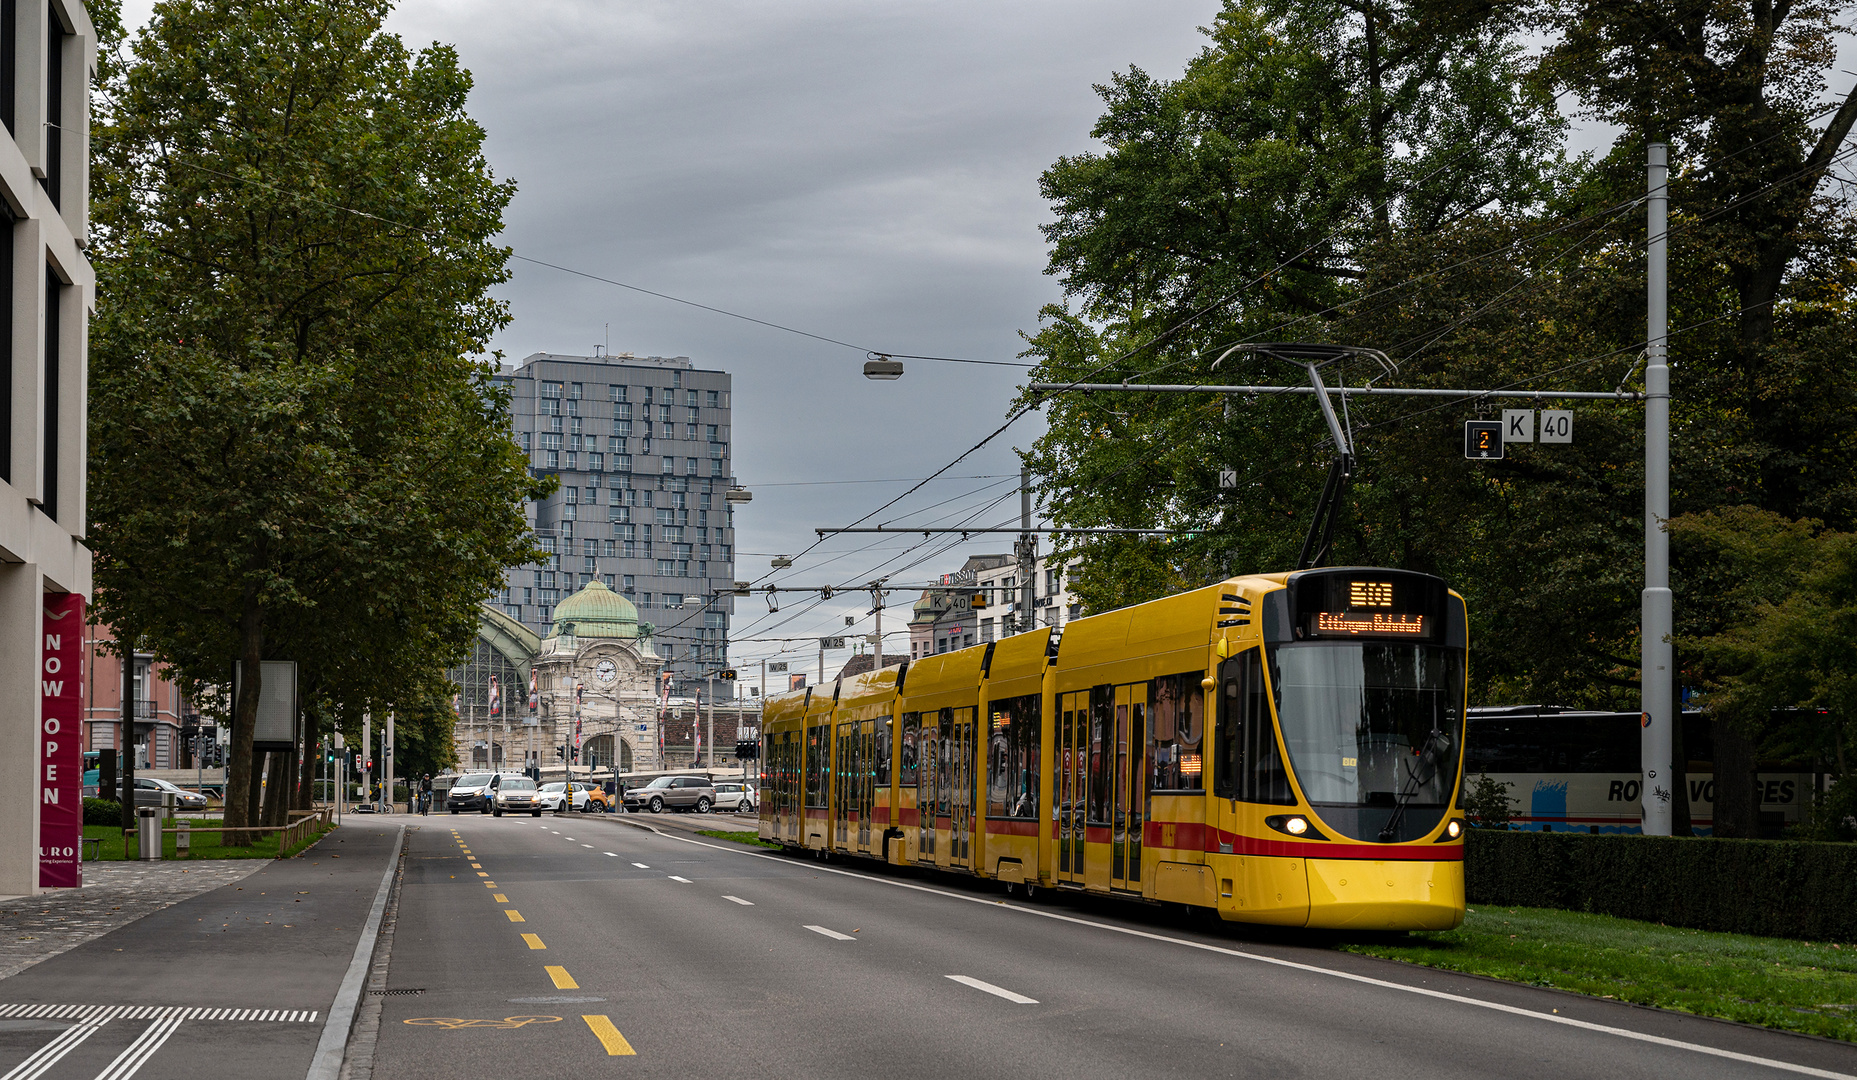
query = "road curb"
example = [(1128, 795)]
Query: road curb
[(327, 1064)]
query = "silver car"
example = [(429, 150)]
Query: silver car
[(516, 794), (735, 795), (152, 792)]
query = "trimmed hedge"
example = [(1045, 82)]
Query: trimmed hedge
[(1772, 888), (102, 812)]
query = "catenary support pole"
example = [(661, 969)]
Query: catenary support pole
[(1655, 674), (709, 734), (1028, 555)]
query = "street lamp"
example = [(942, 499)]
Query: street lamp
[(880, 367)]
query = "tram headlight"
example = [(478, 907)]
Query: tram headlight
[(1294, 825), (1454, 828)]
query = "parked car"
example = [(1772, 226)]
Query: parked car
[(734, 795), (587, 797), (673, 793), (153, 792), (516, 793)]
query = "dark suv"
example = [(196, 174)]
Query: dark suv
[(673, 793)]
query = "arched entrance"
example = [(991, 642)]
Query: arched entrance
[(597, 752)]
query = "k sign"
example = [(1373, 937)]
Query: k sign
[(61, 758)]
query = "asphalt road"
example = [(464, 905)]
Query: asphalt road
[(558, 945)]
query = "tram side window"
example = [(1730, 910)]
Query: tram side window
[(906, 770), (1247, 766), (1012, 757), (1101, 739), (1176, 721), (881, 767)]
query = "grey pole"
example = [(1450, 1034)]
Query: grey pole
[(367, 753), (1028, 554), (709, 736), (386, 755), (1657, 621)]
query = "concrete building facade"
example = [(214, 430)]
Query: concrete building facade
[(642, 448), (47, 54)]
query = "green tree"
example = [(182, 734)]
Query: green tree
[(294, 453), (1775, 637)]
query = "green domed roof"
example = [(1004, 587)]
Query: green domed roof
[(595, 612)]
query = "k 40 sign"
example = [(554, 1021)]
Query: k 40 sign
[(61, 758)]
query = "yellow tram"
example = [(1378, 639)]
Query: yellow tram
[(1282, 748)]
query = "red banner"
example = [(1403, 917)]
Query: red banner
[(61, 756)]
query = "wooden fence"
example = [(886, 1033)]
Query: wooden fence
[(302, 823)]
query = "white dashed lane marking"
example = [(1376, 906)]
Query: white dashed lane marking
[(685, 880), (641, 866), (996, 991), (833, 934), (739, 900)]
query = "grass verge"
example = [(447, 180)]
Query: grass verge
[(204, 843), (1792, 985), (739, 837)]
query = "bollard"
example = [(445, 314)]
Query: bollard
[(182, 839), (148, 832)]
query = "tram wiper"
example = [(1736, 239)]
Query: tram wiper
[(1429, 755)]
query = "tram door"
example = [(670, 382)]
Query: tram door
[(866, 781), (959, 723), (1073, 779), (1131, 787), (928, 770)]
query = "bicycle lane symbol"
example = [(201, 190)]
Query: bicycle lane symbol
[(453, 1023)]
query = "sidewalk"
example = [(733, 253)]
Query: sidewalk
[(236, 982), (36, 928)]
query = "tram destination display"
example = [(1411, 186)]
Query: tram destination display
[(1383, 605)]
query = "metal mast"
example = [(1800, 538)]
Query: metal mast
[(1658, 658)]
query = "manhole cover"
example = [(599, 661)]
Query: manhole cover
[(396, 993)]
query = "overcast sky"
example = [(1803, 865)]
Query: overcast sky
[(863, 170)]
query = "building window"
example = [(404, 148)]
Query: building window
[(715, 399), (718, 450), (623, 411), (596, 462), (554, 459), (572, 494), (689, 432), (551, 440), (615, 393), (573, 391), (670, 465), (664, 414), (718, 468), (551, 389), (986, 630), (689, 466), (667, 568)]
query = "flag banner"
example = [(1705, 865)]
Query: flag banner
[(61, 757), (496, 697)]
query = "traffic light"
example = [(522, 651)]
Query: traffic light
[(369, 767), (728, 674), (746, 750), (560, 754)]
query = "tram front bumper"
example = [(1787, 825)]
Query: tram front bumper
[(1390, 894)]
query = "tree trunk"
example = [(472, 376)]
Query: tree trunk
[(241, 777), (126, 642), (1737, 812)]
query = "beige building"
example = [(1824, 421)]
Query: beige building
[(45, 187)]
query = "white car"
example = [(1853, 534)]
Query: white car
[(549, 797), (734, 795)]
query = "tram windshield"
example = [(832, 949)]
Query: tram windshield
[(1373, 732)]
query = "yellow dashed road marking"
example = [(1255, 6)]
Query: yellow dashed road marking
[(534, 940), (563, 981), (480, 873), (500, 898), (609, 1037), (514, 915)]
